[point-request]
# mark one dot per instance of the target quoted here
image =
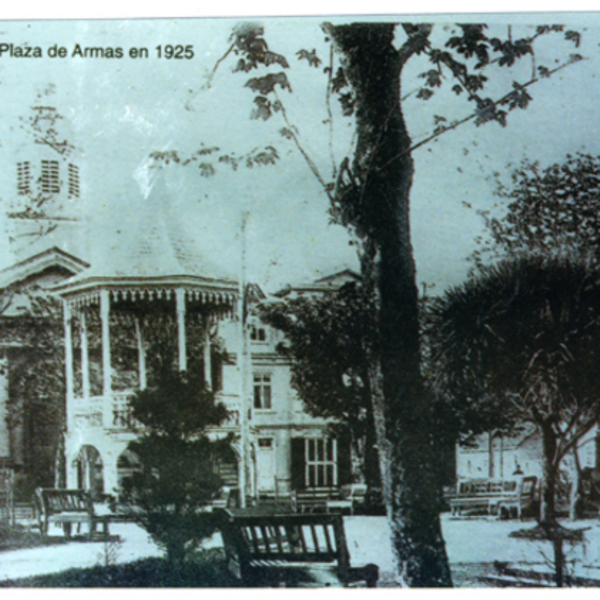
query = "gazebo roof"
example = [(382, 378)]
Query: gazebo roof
[(153, 255)]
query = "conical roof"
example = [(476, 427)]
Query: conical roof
[(153, 249)]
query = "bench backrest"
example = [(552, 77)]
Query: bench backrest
[(517, 487), (528, 486), (53, 501), (313, 538)]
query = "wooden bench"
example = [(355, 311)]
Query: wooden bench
[(349, 498), (293, 549), (314, 499), (501, 497), (66, 507)]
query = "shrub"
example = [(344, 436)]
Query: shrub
[(177, 479)]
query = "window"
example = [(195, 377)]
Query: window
[(320, 462), (258, 334), (262, 391), (73, 181), (23, 178), (320, 456), (49, 179), (265, 443)]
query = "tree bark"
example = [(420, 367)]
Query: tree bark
[(576, 492), (372, 462), (378, 207), (491, 468), (550, 472)]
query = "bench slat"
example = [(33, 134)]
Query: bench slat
[(328, 539), (278, 539)]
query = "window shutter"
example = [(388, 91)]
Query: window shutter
[(344, 453), (298, 464)]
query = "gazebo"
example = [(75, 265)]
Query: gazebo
[(153, 282)]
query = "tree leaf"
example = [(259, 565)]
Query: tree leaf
[(311, 57), (266, 84), (573, 36)]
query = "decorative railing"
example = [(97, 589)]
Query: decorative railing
[(108, 412), (122, 416), (113, 412), (87, 413)]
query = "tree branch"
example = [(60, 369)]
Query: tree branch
[(311, 165), (212, 74), (472, 116), (329, 112)]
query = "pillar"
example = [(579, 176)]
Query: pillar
[(68, 353), (207, 353), (104, 317), (141, 353), (180, 306), (109, 463), (85, 363), (71, 445)]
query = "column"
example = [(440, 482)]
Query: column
[(180, 306), (68, 353), (207, 353), (141, 353), (85, 363), (104, 317)]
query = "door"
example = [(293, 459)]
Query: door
[(266, 464)]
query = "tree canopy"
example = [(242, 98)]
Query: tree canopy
[(554, 210), (520, 343), (328, 340)]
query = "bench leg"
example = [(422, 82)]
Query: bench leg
[(67, 528), (105, 527), (369, 574)]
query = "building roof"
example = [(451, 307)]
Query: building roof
[(51, 258), (329, 283)]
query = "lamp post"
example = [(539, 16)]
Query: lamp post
[(244, 362)]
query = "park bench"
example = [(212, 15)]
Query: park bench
[(66, 507), (350, 497), (501, 497), (314, 499), (292, 549)]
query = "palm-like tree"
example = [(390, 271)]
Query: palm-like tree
[(521, 343)]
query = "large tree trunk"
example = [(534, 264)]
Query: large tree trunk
[(550, 473), (372, 464), (377, 204)]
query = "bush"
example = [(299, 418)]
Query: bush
[(177, 480), (203, 569)]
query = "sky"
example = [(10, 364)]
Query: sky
[(118, 111)]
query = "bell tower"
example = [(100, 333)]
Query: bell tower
[(46, 181)]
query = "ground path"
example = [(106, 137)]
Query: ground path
[(468, 541)]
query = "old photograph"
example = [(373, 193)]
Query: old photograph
[(300, 301)]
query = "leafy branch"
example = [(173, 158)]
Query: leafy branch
[(486, 112)]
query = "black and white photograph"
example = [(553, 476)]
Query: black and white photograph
[(300, 301)]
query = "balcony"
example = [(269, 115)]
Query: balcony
[(113, 412)]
